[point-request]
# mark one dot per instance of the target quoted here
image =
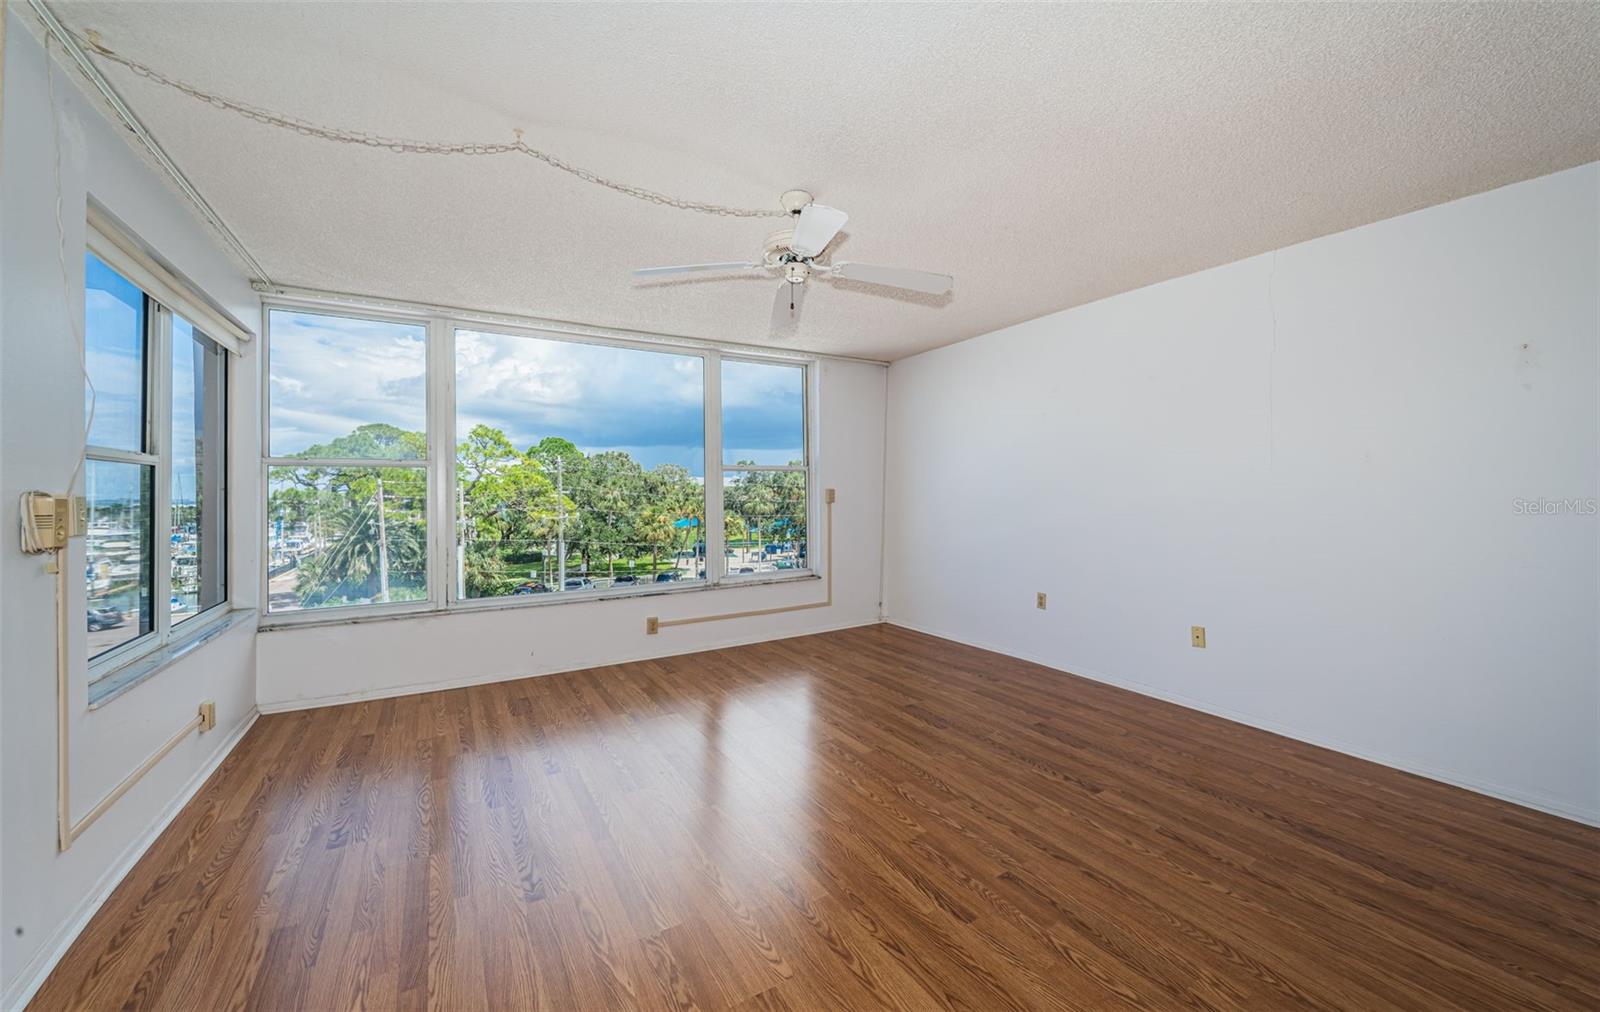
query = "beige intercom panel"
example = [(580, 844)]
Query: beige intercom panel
[(49, 520)]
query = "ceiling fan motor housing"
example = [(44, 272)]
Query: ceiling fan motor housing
[(794, 201)]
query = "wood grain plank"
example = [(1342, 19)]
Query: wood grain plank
[(871, 818)]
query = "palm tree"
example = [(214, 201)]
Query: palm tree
[(358, 562)]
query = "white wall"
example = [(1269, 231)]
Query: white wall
[(43, 894), (308, 666), (1314, 454)]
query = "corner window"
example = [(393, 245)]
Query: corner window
[(426, 463), (155, 407)]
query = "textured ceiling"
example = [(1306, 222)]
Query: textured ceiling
[(1044, 155)]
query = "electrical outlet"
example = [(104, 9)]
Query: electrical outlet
[(1197, 636), (652, 625), (208, 715), (1039, 602)]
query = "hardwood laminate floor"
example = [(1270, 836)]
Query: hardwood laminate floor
[(861, 819)]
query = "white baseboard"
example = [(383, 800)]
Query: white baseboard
[(416, 688), (1537, 802), (37, 970)]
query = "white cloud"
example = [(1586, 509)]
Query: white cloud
[(332, 374)]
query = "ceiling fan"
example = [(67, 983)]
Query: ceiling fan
[(792, 255)]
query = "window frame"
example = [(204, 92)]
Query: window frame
[(104, 670), (430, 601), (441, 325), (805, 467)]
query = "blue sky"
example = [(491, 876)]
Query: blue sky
[(114, 351), (331, 374), (114, 328)]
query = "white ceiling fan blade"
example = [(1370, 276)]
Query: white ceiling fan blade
[(895, 277), (816, 228), (735, 265), (786, 320)]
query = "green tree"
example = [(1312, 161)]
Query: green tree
[(654, 529), (508, 510), (770, 504), (607, 501), (672, 492), (372, 442), (551, 449), (370, 525), (511, 508)]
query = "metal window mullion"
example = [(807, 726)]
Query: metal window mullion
[(439, 386), (414, 463), (810, 379), (715, 558), (157, 442), (263, 449), (113, 456), (223, 510), (360, 314)]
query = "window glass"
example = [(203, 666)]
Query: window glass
[(198, 455), (579, 467), (114, 355), (763, 413), (341, 387), (118, 567), (154, 474), (346, 536), (764, 521)]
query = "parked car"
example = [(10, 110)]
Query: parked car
[(667, 577), (625, 581), (577, 583), (530, 587), (105, 618), (747, 569)]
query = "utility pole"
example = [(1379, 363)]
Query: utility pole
[(561, 523), (383, 550)]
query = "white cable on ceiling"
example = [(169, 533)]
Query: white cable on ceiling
[(402, 145)]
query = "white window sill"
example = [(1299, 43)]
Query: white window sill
[(419, 609), (125, 676)]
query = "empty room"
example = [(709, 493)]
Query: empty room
[(809, 506)]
